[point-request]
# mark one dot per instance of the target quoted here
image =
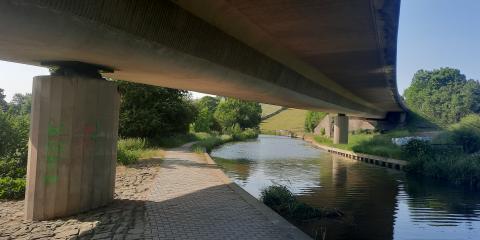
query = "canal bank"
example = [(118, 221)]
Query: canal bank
[(366, 158)]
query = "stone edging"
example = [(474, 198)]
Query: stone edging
[(367, 158), (290, 230)]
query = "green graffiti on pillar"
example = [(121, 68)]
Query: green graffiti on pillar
[(51, 179), (54, 148)]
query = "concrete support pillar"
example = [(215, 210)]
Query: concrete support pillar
[(340, 129), (73, 145)]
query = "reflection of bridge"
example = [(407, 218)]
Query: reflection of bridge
[(334, 56)]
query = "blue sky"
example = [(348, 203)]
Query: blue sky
[(438, 33), (432, 34)]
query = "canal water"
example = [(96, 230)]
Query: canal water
[(378, 203)]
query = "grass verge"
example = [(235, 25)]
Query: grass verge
[(209, 142), (370, 143), (291, 119), (130, 150)]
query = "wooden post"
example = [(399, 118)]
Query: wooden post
[(72, 147)]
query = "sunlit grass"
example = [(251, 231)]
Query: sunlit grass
[(269, 109), (290, 119), (374, 143)]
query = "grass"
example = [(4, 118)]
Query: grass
[(130, 150), (268, 109), (290, 119), (374, 143), (209, 142)]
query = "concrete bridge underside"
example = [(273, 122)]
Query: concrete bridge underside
[(334, 56), (329, 55)]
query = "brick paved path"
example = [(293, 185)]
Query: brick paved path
[(191, 200)]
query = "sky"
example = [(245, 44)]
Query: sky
[(432, 34)]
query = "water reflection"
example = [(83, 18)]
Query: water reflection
[(429, 210), (379, 203)]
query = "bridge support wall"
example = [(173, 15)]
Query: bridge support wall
[(340, 129), (72, 147)]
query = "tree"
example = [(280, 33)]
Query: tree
[(205, 122), (153, 112), (21, 104), (233, 111), (14, 136), (208, 102), (443, 96), (3, 102), (313, 119)]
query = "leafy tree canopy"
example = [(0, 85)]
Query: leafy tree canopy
[(3, 102), (443, 96), (313, 119), (21, 104), (205, 121), (208, 102), (154, 112), (230, 112)]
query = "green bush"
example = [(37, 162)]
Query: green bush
[(277, 196), (149, 112), (467, 133), (312, 119), (14, 136), (129, 150), (204, 121), (126, 157), (12, 168), (12, 188), (230, 112), (209, 143), (132, 143), (417, 149), (282, 201), (456, 169), (248, 133)]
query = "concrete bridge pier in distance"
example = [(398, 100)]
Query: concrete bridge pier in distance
[(340, 129), (73, 142)]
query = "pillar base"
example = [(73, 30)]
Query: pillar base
[(340, 129), (72, 147)]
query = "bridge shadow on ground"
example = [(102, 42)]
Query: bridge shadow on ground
[(211, 213)]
